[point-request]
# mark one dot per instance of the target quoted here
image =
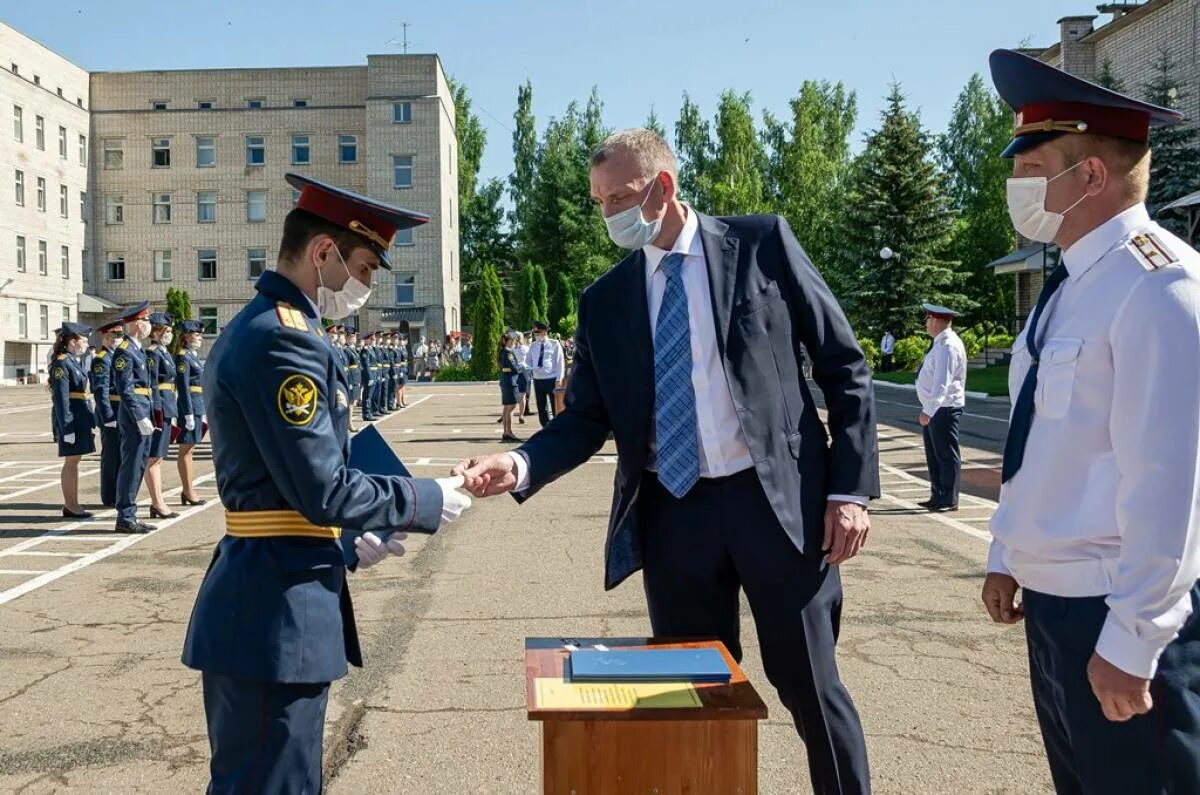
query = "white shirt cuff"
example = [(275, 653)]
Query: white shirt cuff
[(995, 561), (522, 471), (854, 498), (1126, 651)]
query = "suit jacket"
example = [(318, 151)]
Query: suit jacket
[(768, 300)]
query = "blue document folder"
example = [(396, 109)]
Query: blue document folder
[(370, 453), (649, 665)]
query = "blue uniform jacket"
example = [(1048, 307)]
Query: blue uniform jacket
[(129, 372), (278, 609), (353, 372), (162, 374), (99, 377), (71, 414), (188, 371)]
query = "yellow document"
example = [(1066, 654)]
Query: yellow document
[(557, 694)]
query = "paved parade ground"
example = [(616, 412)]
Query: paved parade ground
[(93, 697)]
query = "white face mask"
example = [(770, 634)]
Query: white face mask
[(337, 304), (193, 344), (166, 338), (628, 229), (1027, 207)]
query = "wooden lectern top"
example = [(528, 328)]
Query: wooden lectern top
[(545, 657)]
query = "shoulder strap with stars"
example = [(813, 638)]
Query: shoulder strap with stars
[(291, 317), (1150, 251)]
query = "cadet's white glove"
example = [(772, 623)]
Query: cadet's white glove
[(68, 438), (203, 419), (91, 405), (454, 502), (189, 422), (112, 424), (371, 550), (145, 427)]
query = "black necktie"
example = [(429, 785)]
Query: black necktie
[(542, 356), (1022, 415)]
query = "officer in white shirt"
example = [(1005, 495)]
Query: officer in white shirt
[(941, 388), (887, 346), (1099, 516), (545, 363)]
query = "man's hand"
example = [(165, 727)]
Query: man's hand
[(488, 475), (923, 418), (1121, 695), (189, 422), (145, 427), (846, 528), (1000, 598), (453, 501), (371, 550)]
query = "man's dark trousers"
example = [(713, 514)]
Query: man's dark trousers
[(721, 537), (135, 451), (110, 465), (543, 390), (942, 456)]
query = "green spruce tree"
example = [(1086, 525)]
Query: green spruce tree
[(562, 301), (487, 326), (1174, 150)]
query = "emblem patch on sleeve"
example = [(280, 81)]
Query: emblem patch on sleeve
[(98, 369), (182, 368), (297, 400), (58, 372), (120, 363)]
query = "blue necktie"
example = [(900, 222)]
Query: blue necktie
[(1022, 415), (674, 397)]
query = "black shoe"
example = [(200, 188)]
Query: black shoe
[(529, 414), (81, 515), (942, 508), (157, 514), (185, 501), (927, 503), (521, 420), (138, 527), (508, 437), (499, 420)]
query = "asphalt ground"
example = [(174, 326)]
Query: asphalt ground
[(93, 697)]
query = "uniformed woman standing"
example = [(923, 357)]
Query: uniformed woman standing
[(188, 370), (510, 377), (74, 411), (161, 366)]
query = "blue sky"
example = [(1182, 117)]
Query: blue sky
[(638, 54)]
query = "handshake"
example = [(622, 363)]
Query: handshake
[(371, 549)]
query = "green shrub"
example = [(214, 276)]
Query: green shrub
[(457, 372), (910, 351), (972, 340), (871, 351)]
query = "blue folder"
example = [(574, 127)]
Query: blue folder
[(370, 453), (649, 665)]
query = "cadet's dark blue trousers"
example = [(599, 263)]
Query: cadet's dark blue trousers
[(110, 464), (722, 537), (942, 455), (1158, 752), (135, 449), (266, 737)]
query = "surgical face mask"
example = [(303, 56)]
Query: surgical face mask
[(194, 344), (166, 338), (337, 304), (629, 230), (1027, 207), (76, 346)]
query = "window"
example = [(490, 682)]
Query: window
[(204, 104), (256, 150), (404, 237), (39, 132), (160, 153), (162, 266), (206, 151), (295, 196), (402, 171), (64, 259), (62, 142), (159, 104), (347, 148), (43, 264), (114, 210), (161, 213), (116, 267), (402, 113), (20, 253), (83, 206), (208, 316), (254, 104), (256, 262), (66, 314), (23, 321), (63, 201), (114, 154), (44, 321), (19, 188), (256, 205), (301, 151), (18, 123), (41, 194), (300, 103), (406, 290), (83, 158), (206, 207), (207, 260)]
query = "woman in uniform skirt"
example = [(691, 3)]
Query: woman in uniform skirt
[(74, 411), (161, 366), (510, 376), (521, 351), (192, 418)]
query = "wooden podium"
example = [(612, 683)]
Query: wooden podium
[(712, 748)]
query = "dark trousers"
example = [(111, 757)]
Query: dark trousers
[(368, 407), (721, 537), (1152, 753), (942, 456), (135, 449), (887, 363), (543, 390), (265, 736), (110, 464)]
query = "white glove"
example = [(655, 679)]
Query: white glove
[(112, 424), (203, 419), (454, 502), (145, 427), (371, 550), (68, 438), (189, 422), (91, 406)]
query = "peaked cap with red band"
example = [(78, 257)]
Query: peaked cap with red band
[(372, 220), (1050, 102), (136, 312)]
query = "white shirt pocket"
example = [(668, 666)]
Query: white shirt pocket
[(1056, 376)]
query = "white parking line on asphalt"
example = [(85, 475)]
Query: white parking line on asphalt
[(22, 571), (942, 518), (45, 485), (965, 413), (30, 472)]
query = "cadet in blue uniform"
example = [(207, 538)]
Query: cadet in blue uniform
[(135, 416), (393, 357), (354, 373), (273, 623), (401, 370), (74, 416), (510, 379), (369, 377), (161, 365), (1098, 524), (192, 417), (107, 403)]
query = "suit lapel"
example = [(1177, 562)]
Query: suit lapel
[(720, 254), (639, 314)]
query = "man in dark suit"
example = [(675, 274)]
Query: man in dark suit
[(726, 477)]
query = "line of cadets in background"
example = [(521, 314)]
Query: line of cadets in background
[(376, 368)]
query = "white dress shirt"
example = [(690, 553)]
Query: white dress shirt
[(723, 449), (888, 344), (942, 381), (1107, 500), (552, 362)]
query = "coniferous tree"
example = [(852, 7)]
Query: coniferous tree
[(1174, 150)]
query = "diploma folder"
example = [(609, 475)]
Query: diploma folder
[(370, 453), (649, 665)]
